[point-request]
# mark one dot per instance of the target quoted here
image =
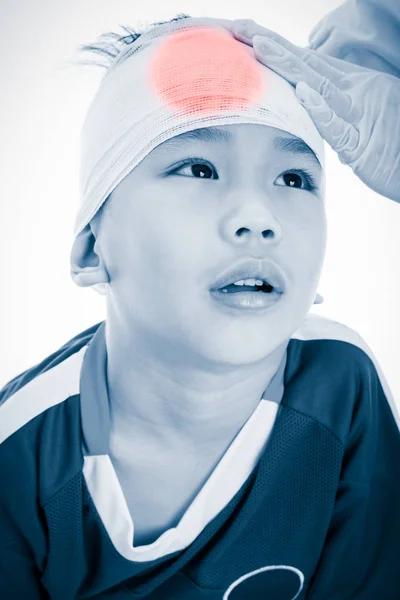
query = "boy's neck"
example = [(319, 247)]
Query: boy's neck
[(171, 404)]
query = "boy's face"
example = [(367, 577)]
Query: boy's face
[(170, 229)]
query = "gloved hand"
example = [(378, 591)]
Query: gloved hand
[(356, 110), (363, 32)]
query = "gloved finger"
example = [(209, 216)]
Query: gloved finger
[(342, 136), (315, 60), (334, 71), (343, 66), (294, 70), (246, 29)]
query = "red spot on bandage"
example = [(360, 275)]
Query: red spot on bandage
[(203, 70)]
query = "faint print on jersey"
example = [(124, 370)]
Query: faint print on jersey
[(275, 581)]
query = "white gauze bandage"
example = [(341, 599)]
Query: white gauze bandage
[(177, 77)]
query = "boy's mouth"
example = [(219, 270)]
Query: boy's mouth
[(250, 285), (251, 275)]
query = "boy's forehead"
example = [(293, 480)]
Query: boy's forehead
[(281, 142)]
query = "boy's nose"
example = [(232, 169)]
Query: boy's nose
[(261, 229)]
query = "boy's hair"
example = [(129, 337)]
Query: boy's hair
[(110, 44)]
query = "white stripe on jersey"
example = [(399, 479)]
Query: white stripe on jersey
[(48, 389)]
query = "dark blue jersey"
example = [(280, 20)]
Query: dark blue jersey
[(305, 503)]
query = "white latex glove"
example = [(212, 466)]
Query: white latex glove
[(363, 32), (356, 110)]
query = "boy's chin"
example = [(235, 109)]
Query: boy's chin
[(243, 349), (245, 341)]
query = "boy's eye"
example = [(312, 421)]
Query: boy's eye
[(196, 167), (298, 179)]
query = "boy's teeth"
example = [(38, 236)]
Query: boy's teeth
[(252, 282)]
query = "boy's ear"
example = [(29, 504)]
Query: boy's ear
[(87, 267)]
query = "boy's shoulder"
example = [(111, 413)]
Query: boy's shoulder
[(68, 349), (340, 346), (49, 383), (333, 376)]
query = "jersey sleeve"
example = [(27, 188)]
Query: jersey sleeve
[(19, 571), (363, 32), (23, 543), (34, 414), (360, 558)]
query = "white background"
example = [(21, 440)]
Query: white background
[(42, 107)]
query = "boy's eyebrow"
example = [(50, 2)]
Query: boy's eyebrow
[(295, 145), (215, 134), (204, 134)]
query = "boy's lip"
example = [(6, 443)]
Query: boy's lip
[(265, 269)]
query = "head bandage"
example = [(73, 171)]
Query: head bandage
[(177, 77)]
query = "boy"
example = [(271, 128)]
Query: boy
[(209, 439)]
